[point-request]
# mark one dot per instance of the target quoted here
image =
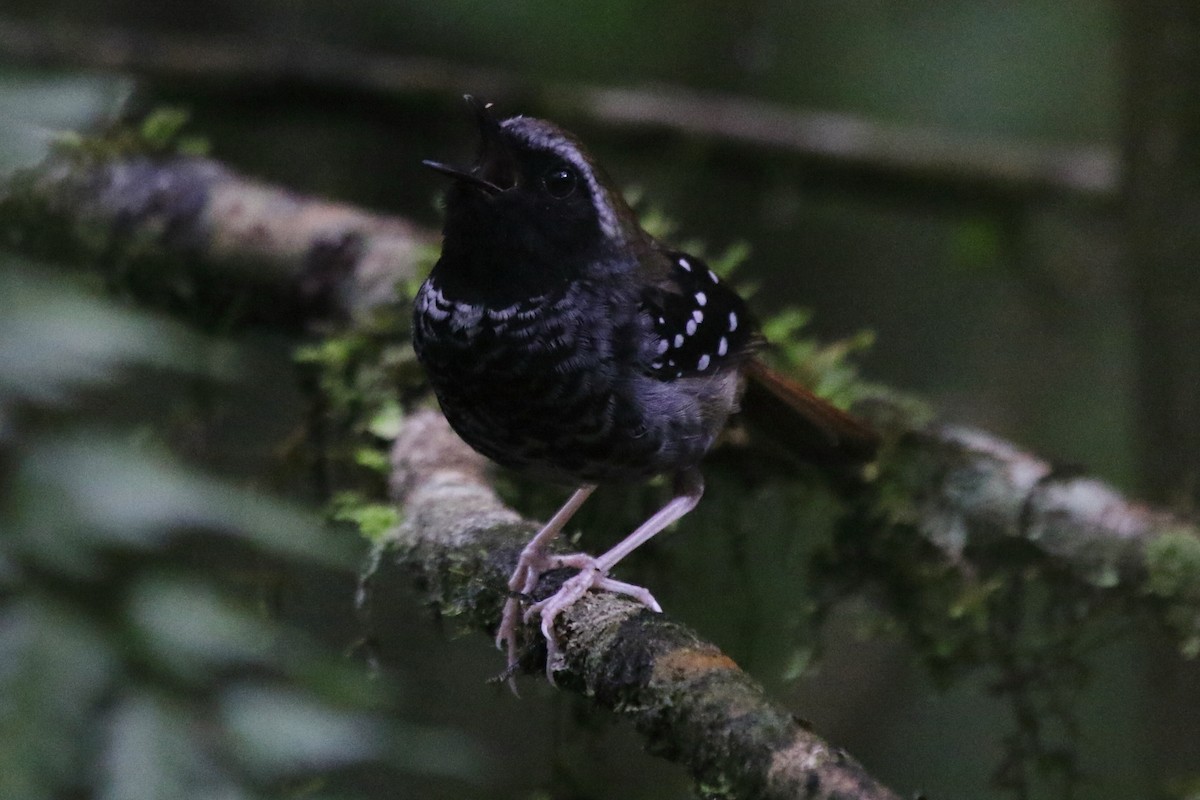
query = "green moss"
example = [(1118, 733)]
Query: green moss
[(1173, 565), (52, 211), (160, 133), (373, 520)]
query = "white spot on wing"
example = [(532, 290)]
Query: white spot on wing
[(691, 327), (684, 264), (722, 346), (662, 346), (701, 298), (679, 340), (702, 364), (733, 322)]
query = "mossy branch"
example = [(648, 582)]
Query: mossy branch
[(691, 702), (183, 232), (965, 490)]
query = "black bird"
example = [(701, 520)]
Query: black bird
[(564, 341)]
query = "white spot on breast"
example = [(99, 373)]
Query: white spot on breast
[(702, 364), (466, 318), (733, 322), (701, 298), (679, 340), (691, 327)]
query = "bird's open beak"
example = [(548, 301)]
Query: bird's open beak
[(494, 169)]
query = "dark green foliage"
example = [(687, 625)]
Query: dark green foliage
[(137, 660), (1174, 562)]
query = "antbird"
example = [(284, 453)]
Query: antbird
[(564, 341)]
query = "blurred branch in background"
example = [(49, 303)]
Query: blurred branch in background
[(970, 165)]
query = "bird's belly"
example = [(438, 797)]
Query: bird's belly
[(543, 393), (567, 430), (580, 428)]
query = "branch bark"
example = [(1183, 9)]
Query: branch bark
[(691, 701), (187, 232)]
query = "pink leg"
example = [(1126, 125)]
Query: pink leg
[(530, 566), (689, 487)]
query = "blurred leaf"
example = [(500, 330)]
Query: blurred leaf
[(387, 421), (55, 340), (82, 495), (277, 731), (190, 627), (154, 753), (162, 126), (55, 668), (373, 520)]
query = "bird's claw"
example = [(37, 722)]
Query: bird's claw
[(523, 582)]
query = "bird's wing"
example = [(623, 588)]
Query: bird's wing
[(700, 325)]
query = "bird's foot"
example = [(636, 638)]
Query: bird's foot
[(530, 568), (531, 565), (590, 576)]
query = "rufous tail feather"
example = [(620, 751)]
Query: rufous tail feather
[(813, 428)]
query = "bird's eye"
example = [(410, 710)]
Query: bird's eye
[(560, 182)]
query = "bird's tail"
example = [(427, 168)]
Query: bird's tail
[(812, 428)]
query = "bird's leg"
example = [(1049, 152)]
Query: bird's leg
[(530, 566), (593, 572)]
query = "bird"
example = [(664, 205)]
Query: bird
[(564, 341)]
